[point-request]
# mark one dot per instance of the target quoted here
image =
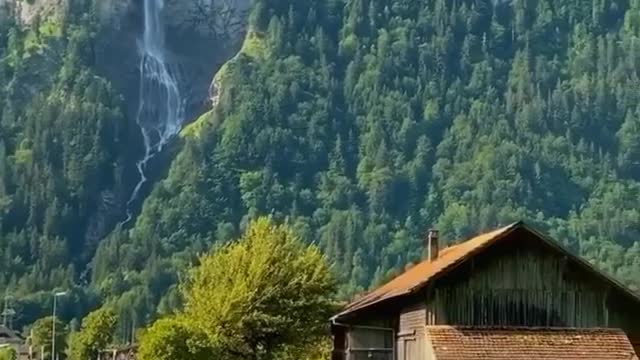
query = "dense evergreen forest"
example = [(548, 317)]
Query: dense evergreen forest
[(361, 123), (61, 137)]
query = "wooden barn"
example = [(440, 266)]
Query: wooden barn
[(509, 294)]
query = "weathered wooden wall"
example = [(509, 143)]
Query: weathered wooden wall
[(410, 340), (413, 317), (525, 283), (411, 346), (624, 313)]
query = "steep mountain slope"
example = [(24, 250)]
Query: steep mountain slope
[(69, 140), (361, 123), (62, 128), (364, 122)]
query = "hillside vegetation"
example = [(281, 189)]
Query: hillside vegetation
[(360, 123), (62, 146)]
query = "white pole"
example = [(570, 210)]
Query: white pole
[(53, 331)]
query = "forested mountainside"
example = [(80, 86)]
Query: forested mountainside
[(62, 132), (70, 133), (361, 123)]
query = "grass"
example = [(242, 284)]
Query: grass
[(23, 156), (51, 28), (253, 47), (195, 129), (34, 42)]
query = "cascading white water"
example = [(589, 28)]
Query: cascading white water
[(161, 110)]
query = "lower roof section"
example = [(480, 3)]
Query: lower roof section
[(459, 343)]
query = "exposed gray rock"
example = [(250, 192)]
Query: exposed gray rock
[(25, 11), (219, 18)]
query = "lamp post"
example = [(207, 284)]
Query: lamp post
[(53, 326)]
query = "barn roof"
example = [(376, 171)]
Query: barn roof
[(417, 277), (454, 343)]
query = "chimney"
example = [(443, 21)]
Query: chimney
[(433, 247)]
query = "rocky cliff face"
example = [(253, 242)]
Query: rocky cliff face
[(70, 85), (26, 11), (201, 35)]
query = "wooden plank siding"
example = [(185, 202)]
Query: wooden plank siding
[(412, 347), (521, 283), (625, 314), (410, 340), (413, 317)]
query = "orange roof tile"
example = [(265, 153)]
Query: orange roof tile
[(422, 273), (457, 343)]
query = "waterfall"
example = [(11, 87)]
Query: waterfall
[(161, 109)]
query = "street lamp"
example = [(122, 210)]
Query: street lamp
[(53, 326)]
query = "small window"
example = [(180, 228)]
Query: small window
[(366, 343)]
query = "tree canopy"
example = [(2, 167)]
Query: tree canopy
[(360, 123), (260, 297), (96, 333), (42, 334), (8, 353), (365, 122)]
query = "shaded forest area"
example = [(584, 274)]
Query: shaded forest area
[(62, 148), (360, 123)]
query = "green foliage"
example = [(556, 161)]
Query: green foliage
[(172, 339), (42, 333), (320, 350), (8, 353), (263, 297), (61, 136), (363, 123), (96, 333), (359, 122)]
